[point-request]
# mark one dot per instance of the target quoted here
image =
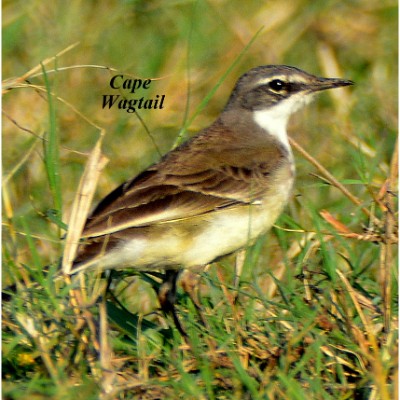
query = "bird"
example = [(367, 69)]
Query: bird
[(211, 196)]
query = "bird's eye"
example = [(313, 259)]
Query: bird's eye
[(277, 85)]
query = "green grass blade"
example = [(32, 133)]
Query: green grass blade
[(51, 150), (211, 93)]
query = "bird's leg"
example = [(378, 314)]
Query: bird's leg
[(190, 282), (167, 297)]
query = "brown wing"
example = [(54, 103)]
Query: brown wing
[(195, 178)]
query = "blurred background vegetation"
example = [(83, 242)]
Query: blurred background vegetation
[(187, 47)]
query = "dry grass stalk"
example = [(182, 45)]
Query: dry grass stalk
[(83, 200)]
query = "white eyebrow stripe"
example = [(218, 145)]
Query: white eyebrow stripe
[(271, 78), (284, 78)]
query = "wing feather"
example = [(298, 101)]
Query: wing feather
[(194, 179)]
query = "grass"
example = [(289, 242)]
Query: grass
[(315, 313)]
